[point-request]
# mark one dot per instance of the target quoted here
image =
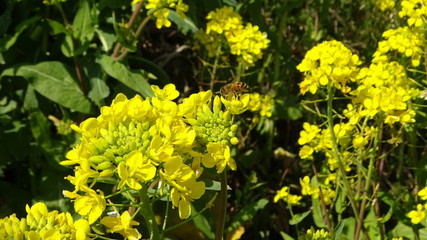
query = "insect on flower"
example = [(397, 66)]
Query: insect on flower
[(235, 88)]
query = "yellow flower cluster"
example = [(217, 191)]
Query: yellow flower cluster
[(384, 5), (383, 89), (415, 11), (226, 27), (261, 103), (309, 188), (137, 141), (287, 197), (314, 139), (419, 214), (315, 235), (42, 224), (160, 10), (409, 42), (328, 63)]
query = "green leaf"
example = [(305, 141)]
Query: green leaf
[(67, 46), (7, 41), (107, 39), (212, 185), (57, 27), (160, 75), (318, 215), (202, 224), (407, 231), (122, 73), (55, 81), (184, 25), (246, 213), (345, 229), (40, 128), (286, 236), (99, 91), (297, 218), (6, 19), (82, 26)]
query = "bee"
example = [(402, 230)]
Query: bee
[(235, 88)]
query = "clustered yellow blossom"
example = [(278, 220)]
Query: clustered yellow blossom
[(415, 11), (261, 103), (225, 27), (419, 214), (384, 5), (315, 139), (317, 190), (284, 194), (407, 41), (313, 234), (160, 10), (328, 63), (139, 141), (384, 89), (42, 224)]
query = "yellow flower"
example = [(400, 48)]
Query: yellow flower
[(135, 169), (169, 92), (42, 224), (91, 204), (185, 187), (122, 225), (218, 155), (415, 11), (306, 188), (236, 104), (328, 62), (287, 197), (308, 134), (418, 215), (423, 193), (162, 18)]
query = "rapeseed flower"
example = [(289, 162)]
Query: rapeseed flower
[(407, 41), (136, 141), (415, 11), (42, 224), (122, 225), (328, 63), (313, 234), (225, 32), (417, 215), (287, 197)]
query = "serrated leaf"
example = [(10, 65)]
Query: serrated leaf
[(126, 76), (246, 213), (55, 81)]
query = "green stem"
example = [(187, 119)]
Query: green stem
[(336, 153), (219, 231), (148, 214), (208, 205), (368, 179)]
